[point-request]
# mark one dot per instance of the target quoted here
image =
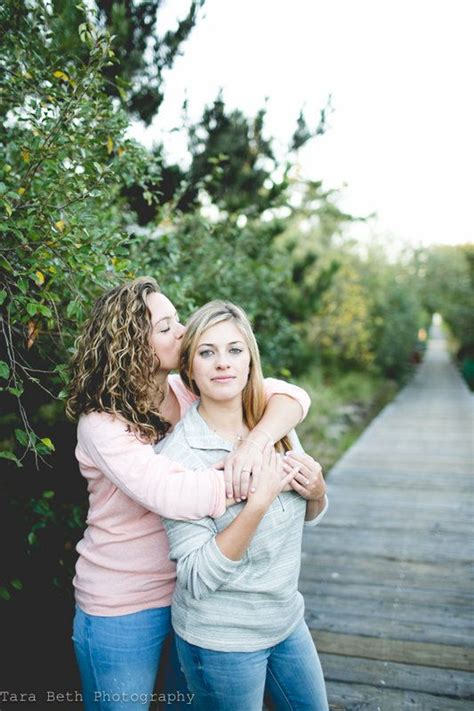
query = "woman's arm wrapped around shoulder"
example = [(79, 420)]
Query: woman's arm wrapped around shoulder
[(152, 480)]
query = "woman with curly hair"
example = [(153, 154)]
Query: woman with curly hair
[(125, 400), (236, 610)]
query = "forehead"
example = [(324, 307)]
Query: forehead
[(224, 332), (160, 306)]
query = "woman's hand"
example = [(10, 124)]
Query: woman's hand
[(242, 462), (308, 481), (272, 480)]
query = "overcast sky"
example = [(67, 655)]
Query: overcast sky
[(401, 138)]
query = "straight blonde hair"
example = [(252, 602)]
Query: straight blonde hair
[(253, 395)]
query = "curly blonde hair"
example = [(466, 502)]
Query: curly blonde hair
[(114, 368)]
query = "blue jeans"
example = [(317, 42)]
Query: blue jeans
[(289, 674), (118, 659)]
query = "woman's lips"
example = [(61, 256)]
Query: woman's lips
[(223, 378)]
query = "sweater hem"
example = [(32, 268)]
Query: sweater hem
[(215, 646), (119, 610)]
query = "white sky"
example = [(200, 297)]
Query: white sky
[(401, 138)]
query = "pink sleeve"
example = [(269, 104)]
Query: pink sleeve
[(273, 386), (150, 479)]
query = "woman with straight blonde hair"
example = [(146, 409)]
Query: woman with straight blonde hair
[(253, 395), (236, 610), (125, 400)]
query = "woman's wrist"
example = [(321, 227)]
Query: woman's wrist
[(314, 507), (320, 497), (258, 437)]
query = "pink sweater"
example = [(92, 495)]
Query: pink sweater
[(123, 564)]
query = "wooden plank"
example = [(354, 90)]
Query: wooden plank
[(393, 675), (452, 576), (384, 595), (458, 619), (395, 650), (386, 628), (361, 459), (420, 548), (362, 697), (421, 483), (384, 518)]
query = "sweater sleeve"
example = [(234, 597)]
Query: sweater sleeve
[(201, 567), (274, 386), (152, 480)]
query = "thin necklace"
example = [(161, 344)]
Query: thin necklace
[(236, 436)]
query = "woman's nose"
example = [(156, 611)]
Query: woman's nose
[(180, 329), (222, 361)]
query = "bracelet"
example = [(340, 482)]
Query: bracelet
[(269, 437), (251, 441)]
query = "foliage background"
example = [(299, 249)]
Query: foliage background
[(83, 207)]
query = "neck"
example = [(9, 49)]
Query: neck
[(224, 417), (162, 389)]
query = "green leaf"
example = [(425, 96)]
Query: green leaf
[(6, 265), (4, 370), (6, 454), (17, 584), (44, 446), (3, 296), (22, 437), (71, 309), (4, 594), (16, 391), (32, 308), (48, 494), (46, 441), (44, 310), (32, 538)]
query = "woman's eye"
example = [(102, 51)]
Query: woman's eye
[(236, 350), (205, 354), (165, 330)]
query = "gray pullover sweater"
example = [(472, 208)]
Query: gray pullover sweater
[(226, 605)]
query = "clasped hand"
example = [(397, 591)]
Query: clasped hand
[(308, 481), (299, 472)]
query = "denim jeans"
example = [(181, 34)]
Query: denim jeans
[(289, 674), (118, 659)]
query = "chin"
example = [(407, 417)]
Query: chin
[(170, 365), (222, 394)]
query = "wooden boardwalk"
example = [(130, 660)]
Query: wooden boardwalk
[(387, 576)]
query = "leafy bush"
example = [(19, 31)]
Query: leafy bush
[(65, 160)]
